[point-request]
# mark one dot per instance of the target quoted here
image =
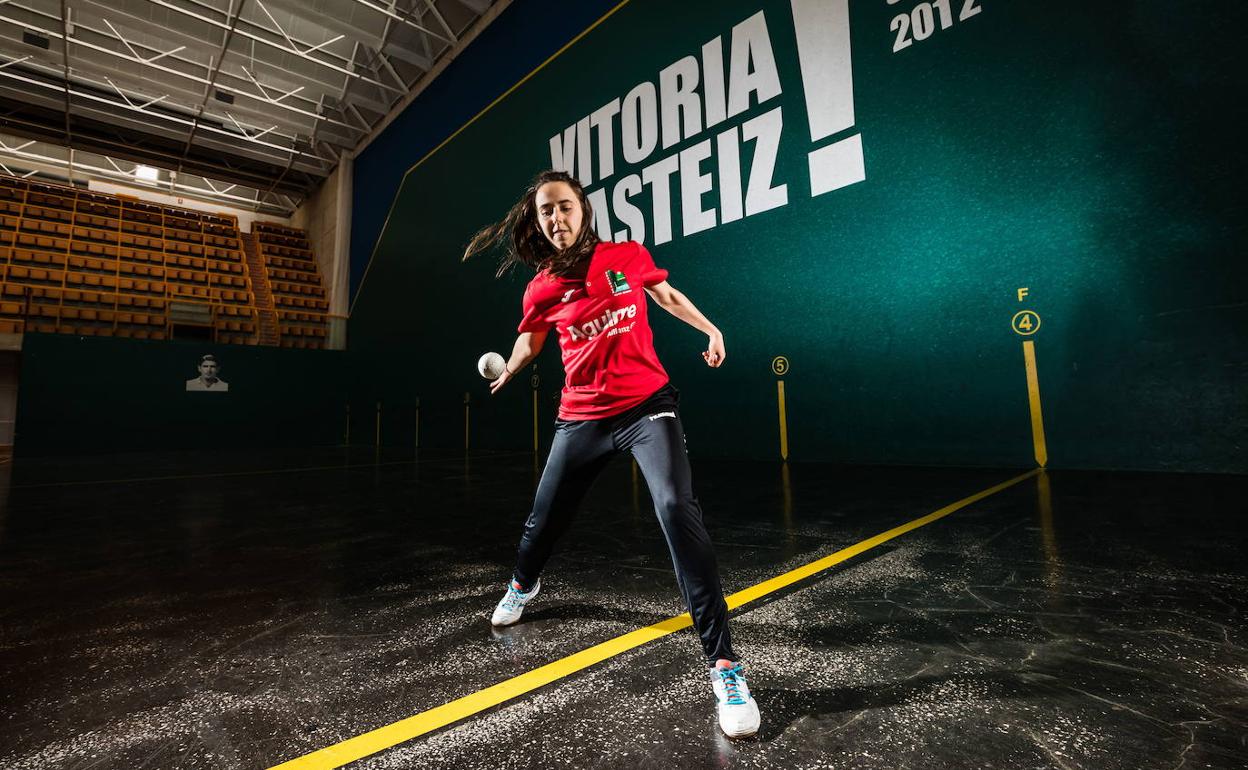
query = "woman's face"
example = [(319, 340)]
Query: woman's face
[(559, 213)]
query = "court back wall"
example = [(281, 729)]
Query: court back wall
[(874, 191), (524, 35), (92, 395)]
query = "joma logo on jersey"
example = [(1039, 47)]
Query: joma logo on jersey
[(597, 326)]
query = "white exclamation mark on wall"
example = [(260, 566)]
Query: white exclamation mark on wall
[(822, 28)]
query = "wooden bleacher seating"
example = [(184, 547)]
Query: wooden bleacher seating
[(80, 262), (299, 298)]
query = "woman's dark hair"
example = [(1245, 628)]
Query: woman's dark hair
[(527, 244)]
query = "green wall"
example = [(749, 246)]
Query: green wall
[(90, 395), (1082, 151)]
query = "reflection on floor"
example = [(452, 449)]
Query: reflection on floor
[(195, 611)]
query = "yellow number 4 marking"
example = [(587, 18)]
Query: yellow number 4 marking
[(1026, 323)]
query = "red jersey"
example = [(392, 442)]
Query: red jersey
[(604, 334)]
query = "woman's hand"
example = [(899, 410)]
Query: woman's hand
[(502, 380), (527, 346), (714, 353)]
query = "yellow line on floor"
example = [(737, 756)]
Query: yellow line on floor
[(807, 570), (414, 726)]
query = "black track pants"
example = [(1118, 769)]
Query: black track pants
[(653, 433)]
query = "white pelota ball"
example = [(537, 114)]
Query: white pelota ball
[(491, 366)]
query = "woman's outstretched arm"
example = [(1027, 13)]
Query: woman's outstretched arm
[(680, 306)]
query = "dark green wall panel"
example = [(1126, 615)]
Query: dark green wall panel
[(1083, 151)]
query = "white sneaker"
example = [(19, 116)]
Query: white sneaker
[(738, 712), (512, 605)]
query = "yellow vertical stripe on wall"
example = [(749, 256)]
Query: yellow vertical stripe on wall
[(784, 423), (1033, 396)]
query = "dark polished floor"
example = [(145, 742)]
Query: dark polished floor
[(200, 611)]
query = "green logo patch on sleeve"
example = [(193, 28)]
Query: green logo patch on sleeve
[(619, 284)]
